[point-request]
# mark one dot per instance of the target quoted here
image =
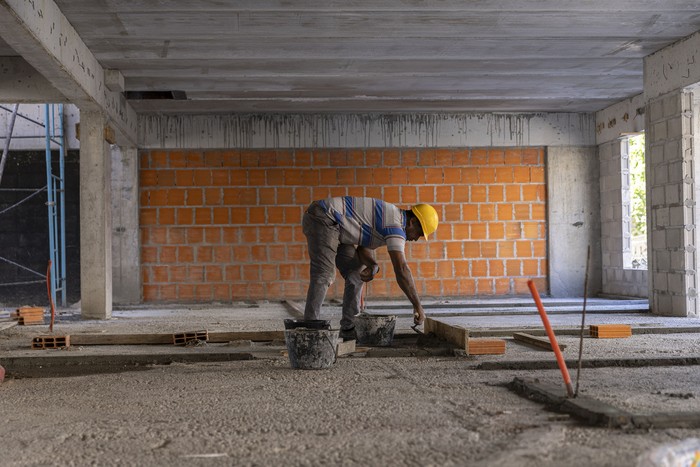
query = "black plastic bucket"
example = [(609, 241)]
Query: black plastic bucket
[(308, 324)]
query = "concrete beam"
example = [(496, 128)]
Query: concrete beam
[(46, 40), (22, 84), (366, 130), (114, 80), (673, 67), (623, 118)]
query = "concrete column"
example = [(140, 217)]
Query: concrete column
[(95, 218), (671, 204), (573, 211), (126, 255)]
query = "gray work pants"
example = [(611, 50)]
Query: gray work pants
[(326, 253)]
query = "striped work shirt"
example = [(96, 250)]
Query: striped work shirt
[(368, 222)]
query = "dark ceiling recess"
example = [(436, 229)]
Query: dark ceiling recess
[(148, 95)]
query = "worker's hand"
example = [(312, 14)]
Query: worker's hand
[(418, 315), (368, 273)]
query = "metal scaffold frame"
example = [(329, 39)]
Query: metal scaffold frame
[(55, 190)]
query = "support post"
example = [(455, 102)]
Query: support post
[(95, 218)]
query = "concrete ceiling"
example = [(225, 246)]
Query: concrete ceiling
[(379, 55)]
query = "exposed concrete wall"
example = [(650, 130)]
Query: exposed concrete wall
[(126, 253), (365, 130), (573, 220), (623, 118)]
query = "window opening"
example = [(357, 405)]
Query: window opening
[(634, 211)]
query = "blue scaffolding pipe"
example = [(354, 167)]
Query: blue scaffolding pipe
[(56, 202), (62, 167)]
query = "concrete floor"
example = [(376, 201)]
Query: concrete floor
[(420, 410)]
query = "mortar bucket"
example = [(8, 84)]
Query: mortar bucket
[(308, 323), (311, 349), (377, 330)]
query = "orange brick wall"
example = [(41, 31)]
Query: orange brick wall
[(226, 225)]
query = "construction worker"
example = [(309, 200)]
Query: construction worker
[(342, 232)]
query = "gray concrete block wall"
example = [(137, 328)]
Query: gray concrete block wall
[(616, 280), (671, 205)]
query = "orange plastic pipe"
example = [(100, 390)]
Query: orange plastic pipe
[(552, 339)]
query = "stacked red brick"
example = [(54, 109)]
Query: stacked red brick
[(222, 225)]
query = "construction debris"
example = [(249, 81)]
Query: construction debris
[(51, 342), (602, 331), (486, 347), (535, 341), (27, 315)]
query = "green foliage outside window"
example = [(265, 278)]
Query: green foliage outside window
[(638, 187)]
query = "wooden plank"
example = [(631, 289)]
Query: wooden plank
[(255, 336), (455, 335), (346, 347), (486, 346), (156, 339), (541, 342), (121, 339)]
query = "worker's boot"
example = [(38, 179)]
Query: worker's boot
[(348, 334)]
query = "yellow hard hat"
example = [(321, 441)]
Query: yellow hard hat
[(428, 218)]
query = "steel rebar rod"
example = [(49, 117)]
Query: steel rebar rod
[(21, 267), (40, 190), (583, 320)]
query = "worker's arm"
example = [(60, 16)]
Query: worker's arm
[(366, 257), (405, 281)]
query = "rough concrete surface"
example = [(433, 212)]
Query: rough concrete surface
[(362, 411)]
